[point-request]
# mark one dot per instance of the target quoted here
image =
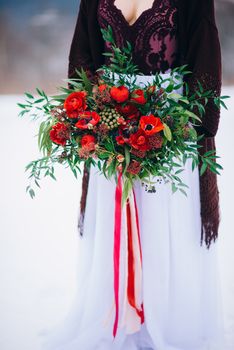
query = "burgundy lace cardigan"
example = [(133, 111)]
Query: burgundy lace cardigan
[(199, 47)]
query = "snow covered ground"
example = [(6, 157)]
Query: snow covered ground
[(39, 238)]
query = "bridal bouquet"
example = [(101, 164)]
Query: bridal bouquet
[(120, 127)]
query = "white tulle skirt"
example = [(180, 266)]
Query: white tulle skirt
[(180, 279)]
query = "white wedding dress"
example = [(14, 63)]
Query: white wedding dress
[(180, 279)]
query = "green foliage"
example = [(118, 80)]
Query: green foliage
[(121, 59), (44, 141)]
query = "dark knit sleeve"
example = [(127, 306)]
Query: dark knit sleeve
[(80, 56), (80, 53), (204, 58), (203, 55)]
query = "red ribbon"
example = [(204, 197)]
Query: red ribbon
[(116, 253), (117, 231), (131, 270)]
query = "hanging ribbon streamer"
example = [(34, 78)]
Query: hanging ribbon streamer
[(134, 258), (133, 313), (117, 232)]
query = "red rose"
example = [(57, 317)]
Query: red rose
[(87, 120), (60, 133), (88, 141), (119, 94), (151, 124), (129, 110), (138, 96), (75, 103), (139, 140)]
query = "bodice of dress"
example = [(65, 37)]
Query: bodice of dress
[(153, 35)]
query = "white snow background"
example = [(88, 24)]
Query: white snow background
[(39, 237)]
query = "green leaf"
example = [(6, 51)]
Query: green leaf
[(175, 96), (192, 115), (104, 155), (36, 182), (203, 168), (99, 165), (183, 191), (53, 177), (174, 188), (179, 171), (29, 95), (126, 189), (85, 80), (40, 92), (39, 100), (223, 105), (21, 105), (127, 156), (32, 193), (167, 132)]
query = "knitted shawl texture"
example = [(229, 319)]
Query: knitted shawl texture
[(199, 48)]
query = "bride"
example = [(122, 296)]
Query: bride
[(180, 295)]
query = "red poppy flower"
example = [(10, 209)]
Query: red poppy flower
[(88, 141), (138, 96), (129, 110), (151, 124), (87, 120), (60, 133), (139, 140), (75, 103), (119, 94)]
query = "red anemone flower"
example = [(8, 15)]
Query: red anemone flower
[(151, 124)]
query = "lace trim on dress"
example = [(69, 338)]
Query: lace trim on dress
[(139, 17), (154, 34)]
